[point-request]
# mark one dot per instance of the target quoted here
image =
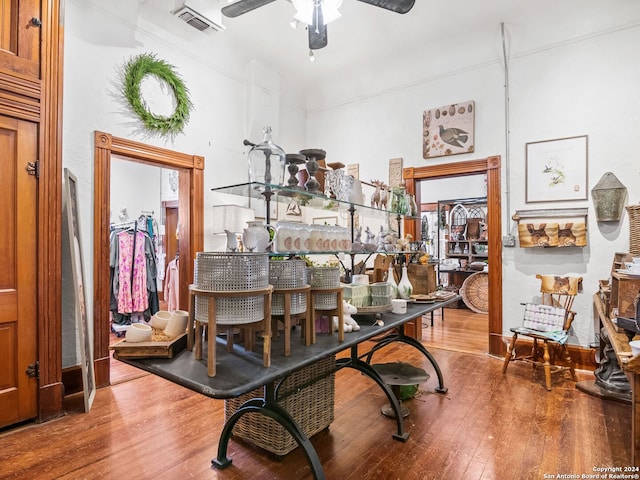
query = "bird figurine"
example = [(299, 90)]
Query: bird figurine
[(453, 136)]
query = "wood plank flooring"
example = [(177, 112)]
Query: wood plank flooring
[(488, 427), (460, 330)]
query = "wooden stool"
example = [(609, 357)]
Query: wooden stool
[(333, 311), (194, 328), (307, 326)]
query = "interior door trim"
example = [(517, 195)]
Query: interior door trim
[(190, 204), (491, 166)]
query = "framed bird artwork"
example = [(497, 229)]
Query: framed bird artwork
[(448, 130)]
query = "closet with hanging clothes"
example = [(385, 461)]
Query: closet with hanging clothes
[(133, 271)]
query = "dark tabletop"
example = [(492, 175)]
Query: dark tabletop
[(241, 371)]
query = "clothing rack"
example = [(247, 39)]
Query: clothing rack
[(123, 225)]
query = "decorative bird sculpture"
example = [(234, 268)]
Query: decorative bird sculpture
[(453, 136)]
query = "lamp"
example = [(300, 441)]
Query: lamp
[(231, 218), (327, 10), (609, 195)]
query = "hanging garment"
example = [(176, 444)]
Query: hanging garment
[(172, 285), (132, 273)]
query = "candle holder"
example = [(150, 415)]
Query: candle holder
[(292, 161), (313, 155)]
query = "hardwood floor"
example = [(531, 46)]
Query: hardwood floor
[(488, 426), (461, 330)]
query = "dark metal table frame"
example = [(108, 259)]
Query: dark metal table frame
[(240, 372)]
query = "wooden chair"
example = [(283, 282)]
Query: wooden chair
[(195, 326), (548, 323)]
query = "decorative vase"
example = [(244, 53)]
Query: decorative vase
[(256, 237), (392, 282), (177, 324), (398, 201), (160, 319), (405, 289)]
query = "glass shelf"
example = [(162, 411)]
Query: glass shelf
[(286, 195)]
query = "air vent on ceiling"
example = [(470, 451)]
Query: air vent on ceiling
[(196, 19)]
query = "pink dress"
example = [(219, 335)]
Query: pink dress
[(132, 295)]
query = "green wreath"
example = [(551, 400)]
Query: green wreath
[(147, 64)]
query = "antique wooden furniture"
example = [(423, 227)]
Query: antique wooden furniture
[(195, 326), (624, 290), (548, 327), (630, 365)]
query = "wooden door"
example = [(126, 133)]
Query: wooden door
[(20, 37), (18, 254)]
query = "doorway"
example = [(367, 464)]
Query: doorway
[(170, 215), (190, 170), (453, 209), (491, 166)]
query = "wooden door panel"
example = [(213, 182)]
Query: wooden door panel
[(18, 349), (19, 38)]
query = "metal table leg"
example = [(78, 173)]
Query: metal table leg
[(269, 407)]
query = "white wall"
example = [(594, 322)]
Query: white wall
[(101, 36), (136, 187), (584, 86)]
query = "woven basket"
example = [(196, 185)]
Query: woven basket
[(475, 292), (312, 409), (634, 229), (288, 274), (324, 277), (215, 271)]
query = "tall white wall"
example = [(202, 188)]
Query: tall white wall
[(101, 36), (582, 86)]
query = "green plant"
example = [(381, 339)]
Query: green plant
[(134, 72)]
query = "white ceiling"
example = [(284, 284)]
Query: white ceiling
[(435, 37)]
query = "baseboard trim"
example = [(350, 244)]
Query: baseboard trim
[(584, 358)]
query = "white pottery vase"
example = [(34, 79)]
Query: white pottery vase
[(177, 323), (256, 237), (392, 282), (405, 289), (138, 332), (160, 319), (232, 241)]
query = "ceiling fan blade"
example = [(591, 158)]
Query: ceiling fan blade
[(398, 6), (317, 31), (243, 6)]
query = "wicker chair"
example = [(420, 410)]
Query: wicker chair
[(548, 323)]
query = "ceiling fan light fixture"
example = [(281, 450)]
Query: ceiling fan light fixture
[(312, 57), (305, 10)]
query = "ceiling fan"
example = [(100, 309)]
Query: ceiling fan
[(315, 13)]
